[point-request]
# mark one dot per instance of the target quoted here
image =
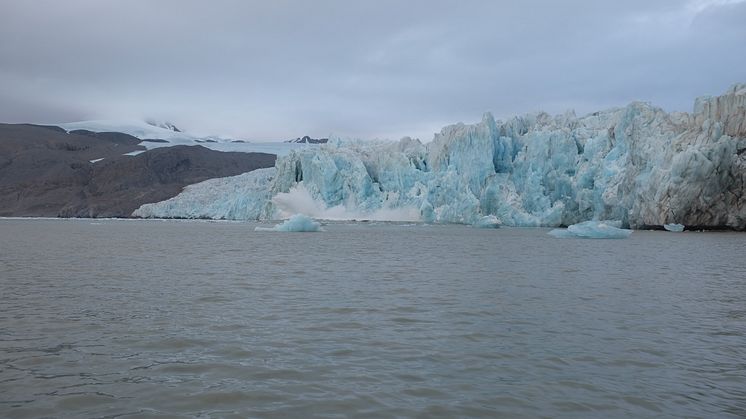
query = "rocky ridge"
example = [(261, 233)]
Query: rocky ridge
[(45, 171)]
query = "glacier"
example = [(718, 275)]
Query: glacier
[(239, 197), (638, 165)]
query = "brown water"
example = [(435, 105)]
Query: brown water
[(205, 319)]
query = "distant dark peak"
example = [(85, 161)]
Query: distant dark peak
[(154, 140), (308, 140), (165, 125)]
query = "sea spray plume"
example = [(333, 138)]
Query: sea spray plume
[(296, 223)]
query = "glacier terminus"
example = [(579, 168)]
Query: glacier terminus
[(638, 165)]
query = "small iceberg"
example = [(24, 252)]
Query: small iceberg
[(593, 230), (296, 223), (676, 228), (488, 221)]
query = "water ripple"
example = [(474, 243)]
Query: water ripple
[(367, 321)]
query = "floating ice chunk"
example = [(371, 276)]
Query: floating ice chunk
[(96, 160), (488, 221), (593, 230), (599, 230), (296, 223), (676, 228)]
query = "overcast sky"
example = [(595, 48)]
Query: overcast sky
[(277, 69)]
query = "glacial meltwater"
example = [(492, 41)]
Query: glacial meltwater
[(132, 318)]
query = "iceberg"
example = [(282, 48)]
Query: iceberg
[(593, 230), (676, 228), (296, 223), (638, 164)]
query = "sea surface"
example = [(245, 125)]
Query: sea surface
[(134, 319)]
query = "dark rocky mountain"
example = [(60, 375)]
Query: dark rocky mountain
[(308, 140), (44, 171)]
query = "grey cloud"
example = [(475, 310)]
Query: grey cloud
[(364, 69)]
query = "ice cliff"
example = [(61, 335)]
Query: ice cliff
[(637, 164)]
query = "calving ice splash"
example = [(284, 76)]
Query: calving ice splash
[(636, 165), (300, 223)]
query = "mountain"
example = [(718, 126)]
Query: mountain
[(46, 171), (639, 165), (308, 140), (165, 125)]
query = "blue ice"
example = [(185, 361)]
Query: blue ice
[(676, 228)]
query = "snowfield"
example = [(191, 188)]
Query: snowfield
[(145, 131)]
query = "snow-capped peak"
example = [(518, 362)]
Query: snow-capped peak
[(162, 124)]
